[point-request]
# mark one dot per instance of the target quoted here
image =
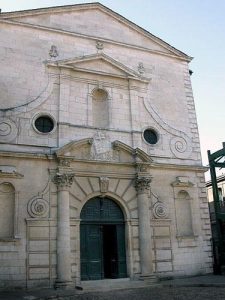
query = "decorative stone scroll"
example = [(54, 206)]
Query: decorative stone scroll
[(180, 142), (142, 183), (104, 184), (141, 68), (159, 210), (38, 207), (64, 180), (180, 147), (8, 130)]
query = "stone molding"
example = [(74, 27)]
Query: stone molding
[(126, 72), (63, 181), (34, 102), (182, 181)]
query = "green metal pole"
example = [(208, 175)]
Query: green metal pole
[(216, 203)]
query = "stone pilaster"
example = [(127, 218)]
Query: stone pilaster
[(63, 182), (142, 185)]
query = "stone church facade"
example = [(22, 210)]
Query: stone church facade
[(100, 166)]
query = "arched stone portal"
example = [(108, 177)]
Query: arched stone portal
[(102, 240)]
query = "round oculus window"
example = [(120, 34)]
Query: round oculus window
[(150, 136), (44, 124)]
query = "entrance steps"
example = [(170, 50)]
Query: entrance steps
[(121, 283)]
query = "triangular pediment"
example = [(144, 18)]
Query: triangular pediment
[(93, 20), (98, 63), (101, 149)]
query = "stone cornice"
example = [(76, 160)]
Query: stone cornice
[(73, 62), (154, 165), (11, 175)]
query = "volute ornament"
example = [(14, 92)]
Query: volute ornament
[(159, 210), (38, 207), (8, 130)]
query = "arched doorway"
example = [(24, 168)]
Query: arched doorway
[(102, 240)]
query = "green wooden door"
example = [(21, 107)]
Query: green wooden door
[(91, 252), (121, 250), (102, 240)]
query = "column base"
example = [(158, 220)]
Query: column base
[(63, 285), (150, 278)]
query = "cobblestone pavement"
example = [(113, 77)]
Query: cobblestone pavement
[(159, 293), (152, 293), (207, 287)]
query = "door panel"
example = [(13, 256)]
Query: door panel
[(122, 267), (91, 252)]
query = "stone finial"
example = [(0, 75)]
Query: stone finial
[(141, 68), (63, 180), (142, 183), (99, 45), (53, 52)]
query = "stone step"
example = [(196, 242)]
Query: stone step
[(122, 283)]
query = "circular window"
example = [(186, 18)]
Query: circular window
[(44, 124), (150, 136)]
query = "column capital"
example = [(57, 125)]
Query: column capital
[(142, 183), (64, 180)]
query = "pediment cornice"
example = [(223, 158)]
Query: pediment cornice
[(116, 151), (85, 64)]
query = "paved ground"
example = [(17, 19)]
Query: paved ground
[(158, 293), (209, 287)]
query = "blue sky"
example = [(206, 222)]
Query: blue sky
[(196, 27)]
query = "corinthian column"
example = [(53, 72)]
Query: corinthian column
[(142, 185), (63, 182)]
